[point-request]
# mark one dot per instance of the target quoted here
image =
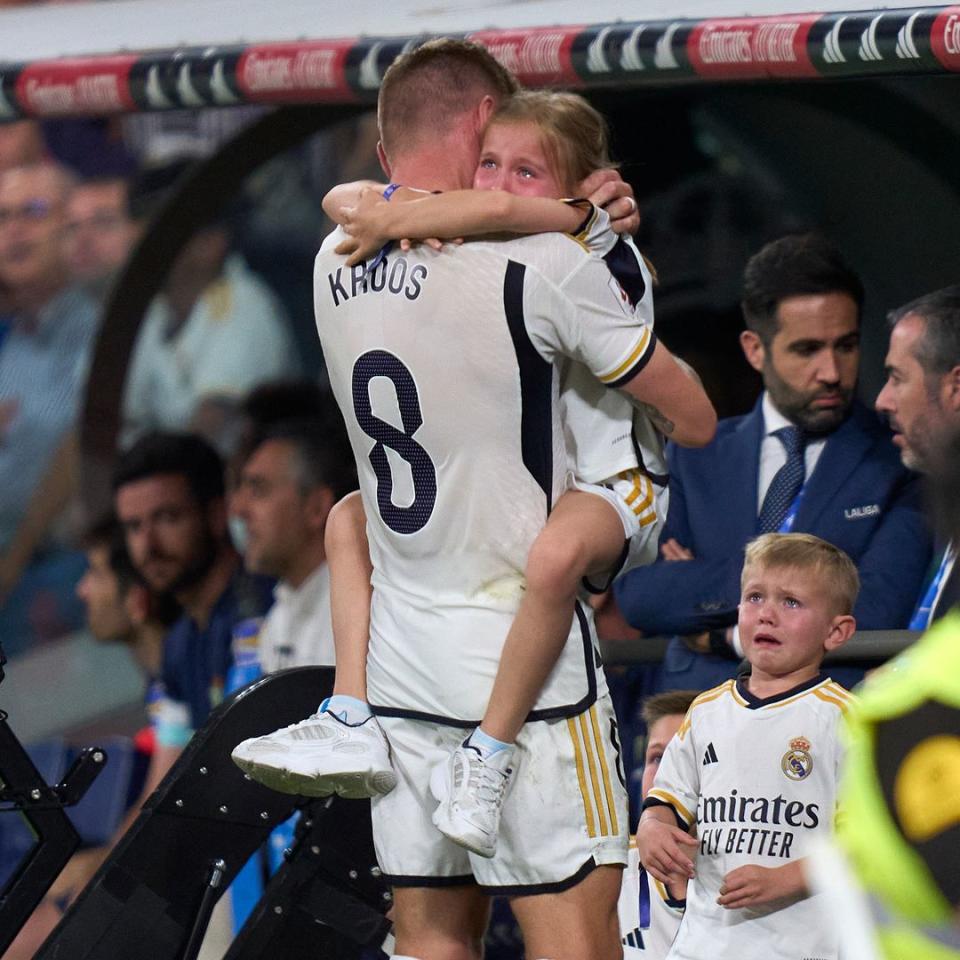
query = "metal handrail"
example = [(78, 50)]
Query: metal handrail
[(863, 646)]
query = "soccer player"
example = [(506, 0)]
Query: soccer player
[(755, 766), (536, 145), (650, 912), (445, 367)]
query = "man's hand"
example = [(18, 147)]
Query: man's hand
[(661, 850), (751, 885), (672, 550), (607, 189)]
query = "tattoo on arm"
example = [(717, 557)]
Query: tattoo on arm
[(665, 426)]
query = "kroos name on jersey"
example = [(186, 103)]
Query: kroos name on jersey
[(393, 275)]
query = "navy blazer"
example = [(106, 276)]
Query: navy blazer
[(859, 497)]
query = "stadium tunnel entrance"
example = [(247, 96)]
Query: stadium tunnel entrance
[(718, 171)]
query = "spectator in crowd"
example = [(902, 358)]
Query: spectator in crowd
[(921, 399), (288, 485), (170, 499), (650, 913), (893, 881), (263, 407), (292, 474), (43, 366), (100, 232), (21, 144), (809, 457), (215, 331), (119, 606)]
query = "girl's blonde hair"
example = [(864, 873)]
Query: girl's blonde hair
[(574, 135)]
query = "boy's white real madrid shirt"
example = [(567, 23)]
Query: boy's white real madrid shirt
[(759, 779)]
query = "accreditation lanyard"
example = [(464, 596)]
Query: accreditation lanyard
[(921, 616), (791, 518), (388, 192)]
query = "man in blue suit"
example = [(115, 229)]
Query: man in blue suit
[(921, 401), (809, 458)]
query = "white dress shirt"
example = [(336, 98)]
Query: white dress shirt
[(297, 631)]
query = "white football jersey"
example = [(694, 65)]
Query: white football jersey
[(445, 368), (607, 433), (759, 777), (649, 917)]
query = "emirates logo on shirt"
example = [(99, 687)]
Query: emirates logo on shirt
[(797, 763)]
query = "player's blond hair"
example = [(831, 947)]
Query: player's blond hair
[(803, 551), (425, 89), (573, 134)]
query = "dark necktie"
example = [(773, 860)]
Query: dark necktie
[(786, 483)]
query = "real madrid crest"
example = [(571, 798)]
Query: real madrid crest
[(797, 762)]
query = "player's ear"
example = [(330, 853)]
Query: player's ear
[(485, 110), (842, 628), (384, 162), (753, 349)]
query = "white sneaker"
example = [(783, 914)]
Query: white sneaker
[(471, 791), (320, 756)]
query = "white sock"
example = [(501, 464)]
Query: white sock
[(348, 710), (486, 745)]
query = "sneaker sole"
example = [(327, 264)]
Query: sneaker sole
[(440, 790), (443, 824), (351, 785)]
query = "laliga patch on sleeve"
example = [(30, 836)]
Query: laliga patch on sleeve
[(623, 300)]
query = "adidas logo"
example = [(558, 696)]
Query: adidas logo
[(633, 939), (710, 755)]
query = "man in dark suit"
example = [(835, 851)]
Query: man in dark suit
[(921, 399), (808, 458)]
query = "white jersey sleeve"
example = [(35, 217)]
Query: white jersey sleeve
[(585, 320), (678, 779)]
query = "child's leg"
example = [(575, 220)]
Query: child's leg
[(583, 536), (307, 758), (348, 558)]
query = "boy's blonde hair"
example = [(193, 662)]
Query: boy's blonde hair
[(573, 133), (667, 704), (803, 551)]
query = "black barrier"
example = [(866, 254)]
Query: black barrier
[(865, 646), (24, 793), (151, 898)]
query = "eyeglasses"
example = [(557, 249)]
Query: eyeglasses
[(32, 211)]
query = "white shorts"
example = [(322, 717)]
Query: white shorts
[(641, 506), (564, 814)]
